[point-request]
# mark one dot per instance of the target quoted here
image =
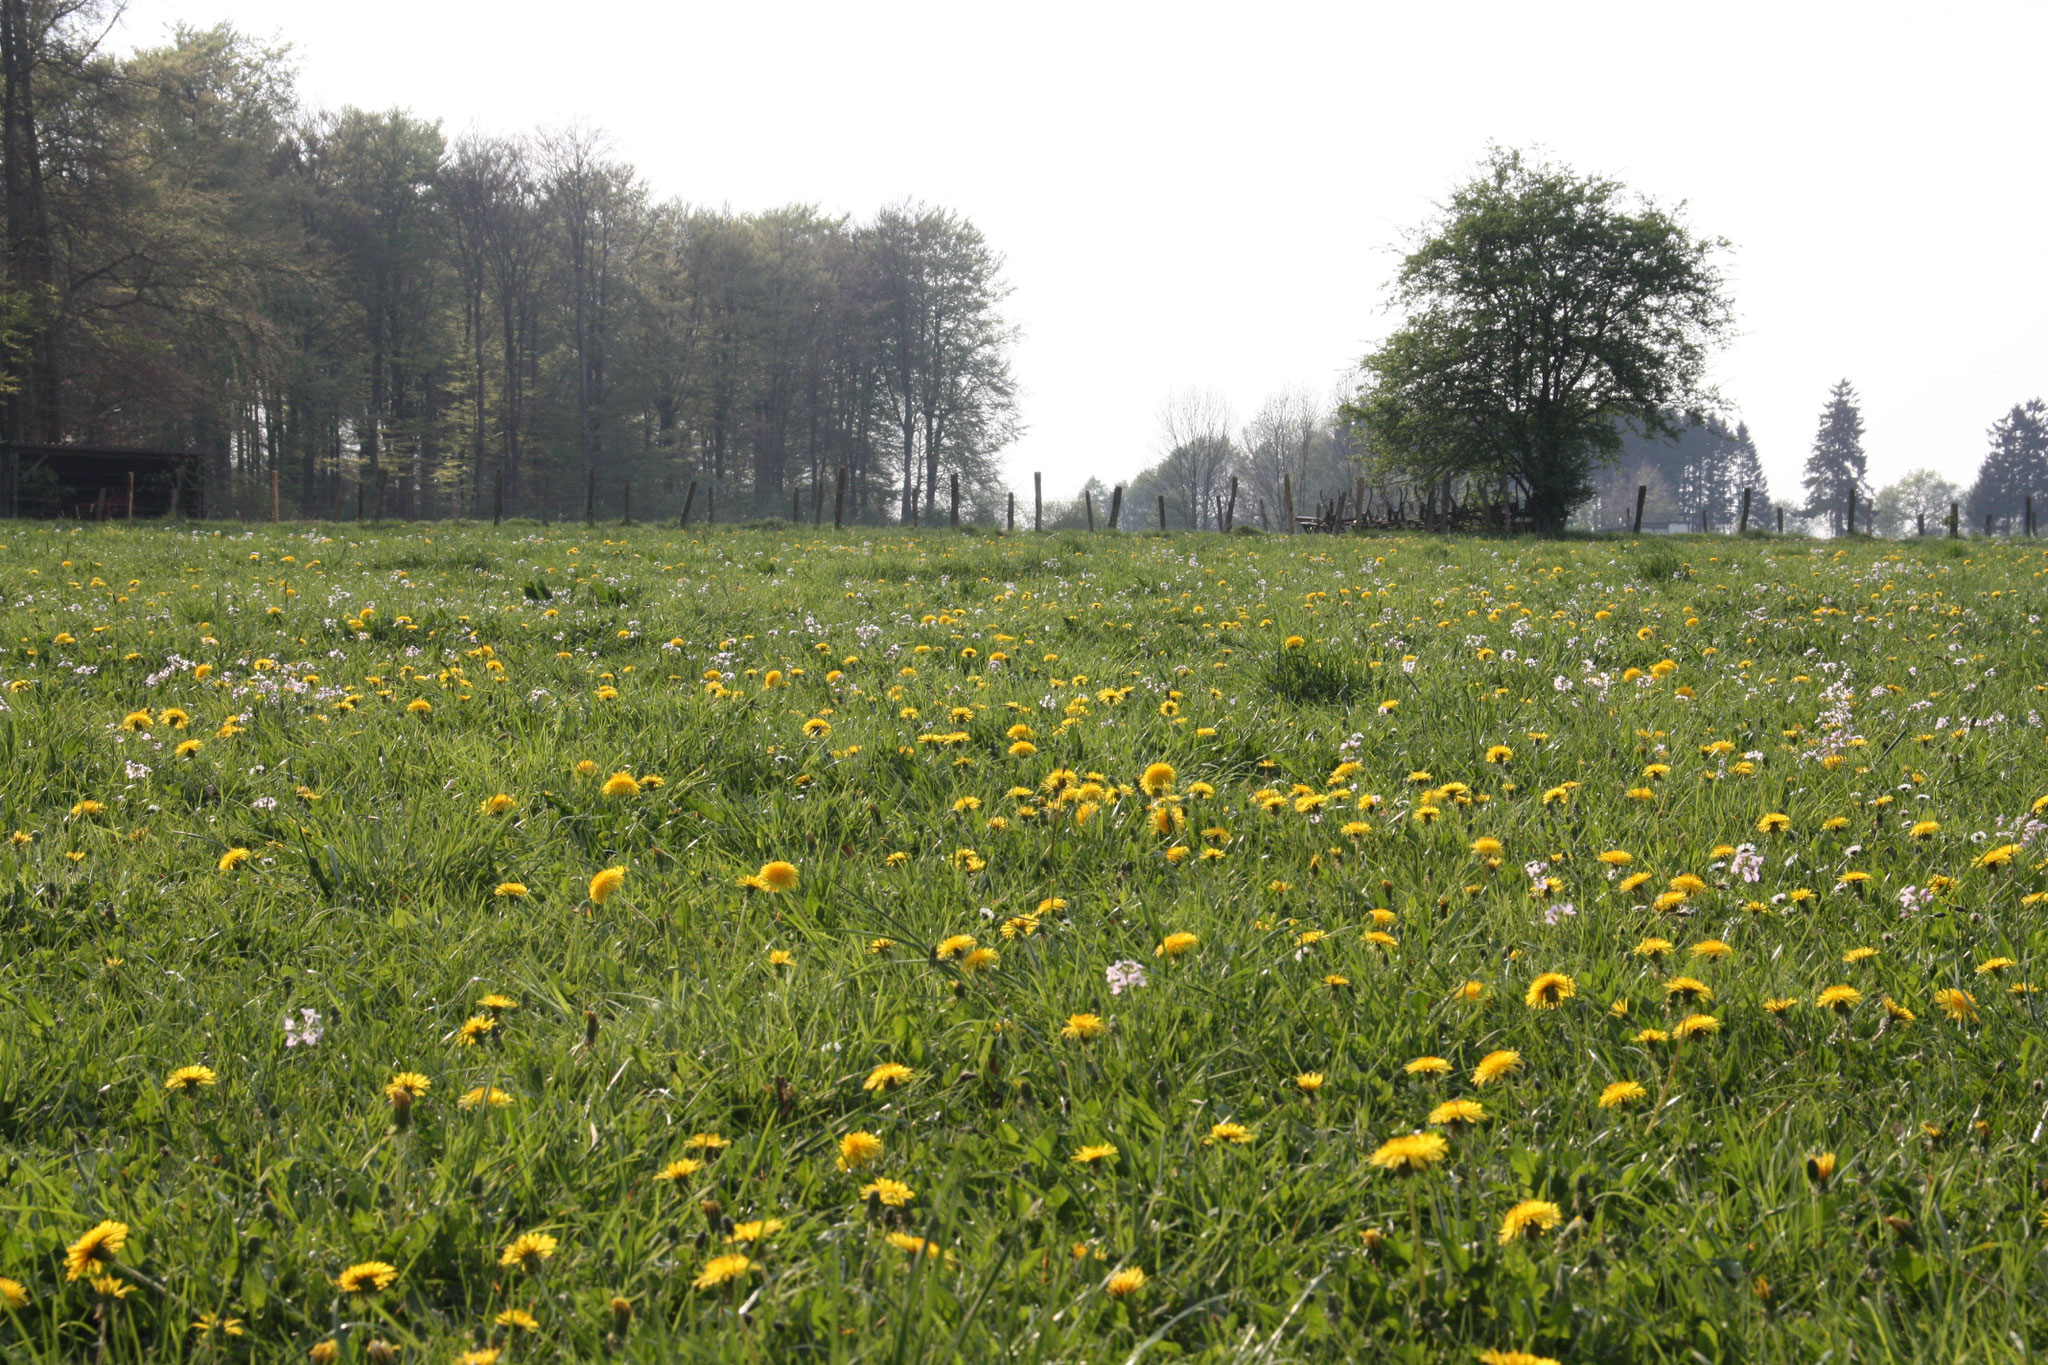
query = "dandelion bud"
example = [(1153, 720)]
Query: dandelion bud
[(1374, 1242), (714, 1212), (325, 1352), (381, 1352), (590, 1028), (401, 1108), (622, 1313), (1762, 1289), (1820, 1168)]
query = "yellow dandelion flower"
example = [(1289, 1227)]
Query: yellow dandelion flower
[(887, 1076), (366, 1277), (1688, 988), (1410, 1155), (721, 1270), (1550, 990), (1621, 1093), (527, 1250), (888, 1193), (1124, 1283), (189, 1080), (1495, 1065), (1082, 1027), (605, 883), (100, 1245), (1959, 1006), (1517, 1357), (1528, 1218), (410, 1084), (1454, 1113)]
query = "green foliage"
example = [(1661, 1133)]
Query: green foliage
[(1688, 1226), (1544, 310)]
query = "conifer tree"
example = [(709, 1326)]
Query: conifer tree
[(1837, 467), (2016, 467)]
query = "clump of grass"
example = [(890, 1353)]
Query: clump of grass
[(1312, 676), (1659, 564)]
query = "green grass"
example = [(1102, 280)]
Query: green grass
[(1689, 1228)]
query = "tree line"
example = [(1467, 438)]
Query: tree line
[(356, 306), (2013, 470)]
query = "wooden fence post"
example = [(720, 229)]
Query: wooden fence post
[(1088, 498), (1852, 509), (2030, 509), (1781, 521), (689, 499), (382, 475), (1642, 494), (1988, 532), (273, 493), (626, 502), (131, 496), (711, 504), (1287, 500), (1955, 515), (817, 501), (1162, 511), (1742, 523), (1037, 501), (1010, 522), (953, 506), (590, 499), (839, 501), (1116, 505), (1230, 512)]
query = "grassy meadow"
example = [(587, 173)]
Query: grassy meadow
[(624, 943)]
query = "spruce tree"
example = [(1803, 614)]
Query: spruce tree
[(2016, 467), (1836, 467), (1746, 470)]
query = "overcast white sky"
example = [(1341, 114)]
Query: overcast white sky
[(1210, 195)]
